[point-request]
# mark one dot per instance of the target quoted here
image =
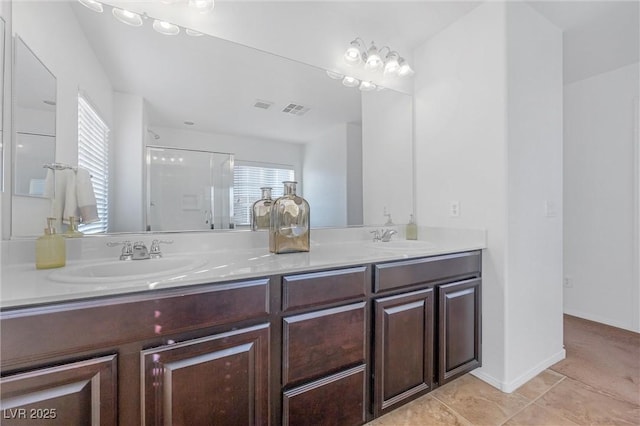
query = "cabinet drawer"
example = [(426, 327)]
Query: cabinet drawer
[(323, 287), (322, 342), (85, 325), (392, 275), (334, 400)]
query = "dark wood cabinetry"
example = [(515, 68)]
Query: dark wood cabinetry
[(403, 348), (220, 379), (324, 351), (459, 329), (334, 400), (330, 347), (78, 393)]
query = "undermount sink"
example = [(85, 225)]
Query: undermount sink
[(404, 245), (126, 270)]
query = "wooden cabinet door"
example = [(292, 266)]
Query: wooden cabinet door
[(403, 362), (459, 329), (215, 380), (78, 393)]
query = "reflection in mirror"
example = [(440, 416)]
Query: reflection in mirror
[(2, 64), (209, 94), (189, 190), (34, 114)]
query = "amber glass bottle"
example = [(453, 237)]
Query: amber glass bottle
[(261, 210), (289, 226)]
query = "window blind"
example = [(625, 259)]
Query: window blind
[(93, 155), (247, 181)]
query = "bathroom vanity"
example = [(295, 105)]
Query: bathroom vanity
[(301, 344)]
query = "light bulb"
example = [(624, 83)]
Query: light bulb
[(405, 69), (127, 17), (202, 6), (391, 66), (374, 61), (335, 75), (367, 86), (193, 33), (353, 56), (92, 4), (166, 28), (350, 81)]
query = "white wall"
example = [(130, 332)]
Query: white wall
[(534, 194), (599, 194), (127, 171), (354, 174), (480, 113), (460, 93), (387, 156), (69, 57), (325, 177)]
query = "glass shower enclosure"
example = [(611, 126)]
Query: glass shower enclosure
[(188, 190)]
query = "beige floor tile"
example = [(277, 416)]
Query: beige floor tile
[(479, 402), (584, 405), (425, 411), (535, 387), (535, 415)]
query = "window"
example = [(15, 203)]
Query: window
[(93, 155), (247, 181)]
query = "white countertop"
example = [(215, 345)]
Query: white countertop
[(23, 285)]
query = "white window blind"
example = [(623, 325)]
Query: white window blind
[(93, 155), (247, 181)]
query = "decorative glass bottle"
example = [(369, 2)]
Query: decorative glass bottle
[(289, 228), (261, 210)]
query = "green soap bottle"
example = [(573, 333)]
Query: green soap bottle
[(51, 250), (72, 230), (412, 229)]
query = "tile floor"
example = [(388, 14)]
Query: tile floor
[(597, 384)]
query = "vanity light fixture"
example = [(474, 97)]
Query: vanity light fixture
[(350, 81), (335, 75), (127, 17), (193, 33), (202, 6), (376, 59), (367, 86), (92, 4), (166, 28)]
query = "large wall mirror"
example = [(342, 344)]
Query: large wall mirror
[(34, 120), (202, 93)]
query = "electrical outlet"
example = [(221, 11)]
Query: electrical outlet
[(454, 209), (568, 282)]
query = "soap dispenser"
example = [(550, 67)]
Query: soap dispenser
[(51, 251), (412, 229), (72, 229)]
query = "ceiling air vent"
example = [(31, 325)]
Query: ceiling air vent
[(262, 104), (295, 109)]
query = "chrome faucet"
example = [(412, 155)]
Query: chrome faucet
[(127, 250), (383, 235), (140, 251), (386, 235), (154, 251)]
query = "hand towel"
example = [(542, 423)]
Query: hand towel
[(86, 197), (55, 190), (70, 198)]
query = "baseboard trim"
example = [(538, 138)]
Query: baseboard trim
[(601, 320), (509, 387)]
